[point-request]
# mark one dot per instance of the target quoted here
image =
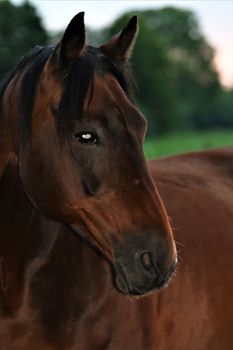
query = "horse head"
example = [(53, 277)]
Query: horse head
[(80, 155)]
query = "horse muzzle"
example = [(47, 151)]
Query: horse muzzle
[(147, 267)]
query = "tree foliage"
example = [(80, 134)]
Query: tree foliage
[(20, 30)]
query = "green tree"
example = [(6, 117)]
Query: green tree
[(196, 81), (20, 30), (220, 114)]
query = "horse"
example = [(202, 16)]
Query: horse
[(90, 231)]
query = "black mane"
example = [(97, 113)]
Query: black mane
[(33, 63), (76, 83), (27, 59)]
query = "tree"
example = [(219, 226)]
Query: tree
[(220, 114), (196, 81), (20, 30)]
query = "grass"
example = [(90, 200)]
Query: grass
[(186, 142)]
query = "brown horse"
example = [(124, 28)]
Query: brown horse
[(83, 229)]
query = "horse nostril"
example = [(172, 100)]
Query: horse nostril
[(146, 260)]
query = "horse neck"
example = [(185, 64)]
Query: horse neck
[(18, 246), (32, 247)]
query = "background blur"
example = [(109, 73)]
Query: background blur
[(182, 61)]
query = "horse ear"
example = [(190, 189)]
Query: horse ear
[(73, 40), (120, 46)]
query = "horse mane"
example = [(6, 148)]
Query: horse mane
[(33, 62), (76, 83), (18, 69)]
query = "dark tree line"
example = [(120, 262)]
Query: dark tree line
[(20, 30), (177, 85)]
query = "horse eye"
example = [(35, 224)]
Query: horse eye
[(87, 137)]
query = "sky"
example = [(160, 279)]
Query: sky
[(215, 19)]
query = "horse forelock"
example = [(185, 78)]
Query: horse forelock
[(79, 80)]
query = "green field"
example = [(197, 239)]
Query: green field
[(186, 142)]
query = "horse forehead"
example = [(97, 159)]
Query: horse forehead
[(106, 88), (109, 96)]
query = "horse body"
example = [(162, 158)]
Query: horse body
[(83, 230)]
